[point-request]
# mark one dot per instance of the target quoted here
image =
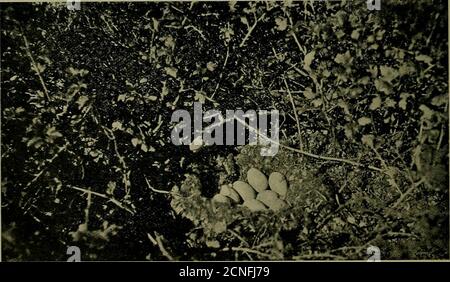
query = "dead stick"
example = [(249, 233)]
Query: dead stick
[(295, 114), (35, 66), (307, 153), (114, 201)]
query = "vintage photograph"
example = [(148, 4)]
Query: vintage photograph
[(224, 130)]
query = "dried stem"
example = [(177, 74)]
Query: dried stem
[(307, 153), (409, 191), (112, 200), (125, 177), (154, 189), (39, 174), (250, 30), (156, 240), (35, 67), (295, 114), (247, 250)]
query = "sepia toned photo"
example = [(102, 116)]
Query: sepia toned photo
[(224, 131)]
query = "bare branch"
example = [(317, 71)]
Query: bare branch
[(35, 67)]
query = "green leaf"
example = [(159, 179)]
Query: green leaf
[(281, 24), (348, 130), (343, 59), (135, 141), (364, 121), (344, 105), (81, 101), (220, 227), (122, 97), (317, 102), (213, 244), (406, 69), (309, 94), (200, 97), (111, 187), (351, 219), (388, 73), (308, 60), (171, 71), (152, 98), (211, 66), (53, 133), (427, 113), (376, 103), (164, 90), (383, 86), (404, 100), (439, 100), (389, 103), (355, 34), (402, 104), (424, 58), (244, 21), (368, 140), (117, 125)]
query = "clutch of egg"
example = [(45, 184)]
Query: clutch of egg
[(258, 193)]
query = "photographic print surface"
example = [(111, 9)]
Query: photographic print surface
[(224, 130)]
